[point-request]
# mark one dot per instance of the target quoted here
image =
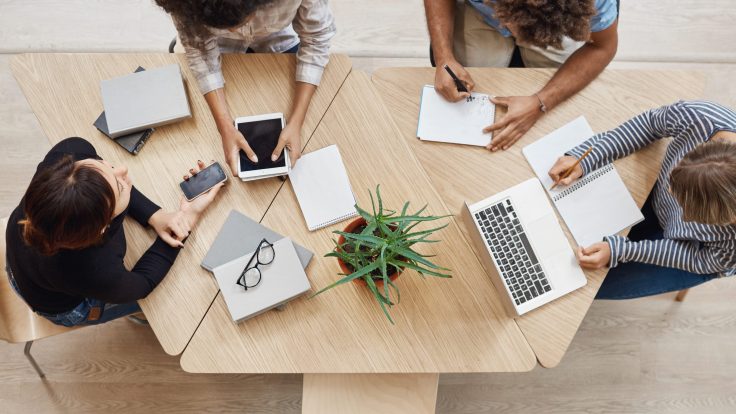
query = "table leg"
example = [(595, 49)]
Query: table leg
[(369, 393)]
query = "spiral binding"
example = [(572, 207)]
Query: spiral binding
[(583, 182), (335, 220)]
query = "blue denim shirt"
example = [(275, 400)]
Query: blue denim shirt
[(606, 14)]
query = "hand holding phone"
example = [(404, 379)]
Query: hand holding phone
[(199, 182)]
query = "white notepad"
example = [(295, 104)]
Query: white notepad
[(322, 187), (281, 281), (595, 206), (455, 122)]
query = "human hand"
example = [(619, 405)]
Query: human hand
[(291, 138), (232, 142), (595, 256), (521, 114), (562, 165), (193, 209), (171, 227), (445, 85)]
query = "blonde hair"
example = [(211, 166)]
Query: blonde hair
[(704, 183)]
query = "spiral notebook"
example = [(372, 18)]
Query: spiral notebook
[(455, 122), (322, 188), (593, 207)]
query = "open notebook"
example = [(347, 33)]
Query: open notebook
[(595, 206), (322, 188), (455, 122)]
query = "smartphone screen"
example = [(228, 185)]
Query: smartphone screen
[(203, 181)]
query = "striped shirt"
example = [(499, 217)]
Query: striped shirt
[(693, 247), (274, 28)]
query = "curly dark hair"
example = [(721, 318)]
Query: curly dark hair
[(195, 17), (544, 23)]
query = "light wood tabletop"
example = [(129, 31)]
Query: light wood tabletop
[(63, 90), (442, 325), (462, 173)]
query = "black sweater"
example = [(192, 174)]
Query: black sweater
[(58, 283)]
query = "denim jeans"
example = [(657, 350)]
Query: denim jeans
[(634, 279), (80, 314)]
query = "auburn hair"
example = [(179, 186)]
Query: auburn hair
[(704, 183), (544, 23), (66, 206)]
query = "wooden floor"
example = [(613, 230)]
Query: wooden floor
[(650, 355)]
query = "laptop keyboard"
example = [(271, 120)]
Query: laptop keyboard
[(512, 251)]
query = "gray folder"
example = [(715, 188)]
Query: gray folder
[(240, 235)]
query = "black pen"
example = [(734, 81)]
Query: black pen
[(458, 83)]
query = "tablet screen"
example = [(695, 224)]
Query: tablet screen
[(262, 136)]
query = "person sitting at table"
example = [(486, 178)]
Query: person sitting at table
[(578, 36), (688, 235), (66, 243), (208, 28)]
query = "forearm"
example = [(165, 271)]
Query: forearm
[(581, 68), (219, 108), (679, 254), (302, 99), (441, 24)]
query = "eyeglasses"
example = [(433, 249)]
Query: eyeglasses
[(251, 275)]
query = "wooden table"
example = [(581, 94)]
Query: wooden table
[(352, 357), (442, 325), (614, 97), (63, 90)]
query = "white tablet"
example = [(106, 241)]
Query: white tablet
[(262, 134)]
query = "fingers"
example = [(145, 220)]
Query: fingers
[(500, 124), (500, 100), (212, 193), (277, 151), (506, 139), (294, 155), (231, 157), (171, 241), (248, 151), (591, 257)]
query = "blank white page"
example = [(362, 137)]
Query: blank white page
[(593, 207), (455, 122), (321, 185)]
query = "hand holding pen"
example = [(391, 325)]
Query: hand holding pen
[(567, 169), (453, 82)]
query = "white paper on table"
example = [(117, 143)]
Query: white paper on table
[(455, 122)]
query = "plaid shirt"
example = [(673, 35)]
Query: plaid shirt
[(274, 28)]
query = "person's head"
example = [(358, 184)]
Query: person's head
[(70, 204), (196, 17), (544, 23), (704, 183)]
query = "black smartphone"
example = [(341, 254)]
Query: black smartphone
[(200, 183)]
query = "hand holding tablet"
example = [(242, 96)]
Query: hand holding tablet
[(262, 134)]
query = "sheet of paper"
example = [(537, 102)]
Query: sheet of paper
[(595, 206), (322, 188), (455, 122)]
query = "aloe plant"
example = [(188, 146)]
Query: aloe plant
[(384, 245)]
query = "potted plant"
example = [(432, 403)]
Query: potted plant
[(377, 247)]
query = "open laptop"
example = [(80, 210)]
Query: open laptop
[(521, 244)]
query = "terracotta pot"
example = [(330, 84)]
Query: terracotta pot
[(350, 228)]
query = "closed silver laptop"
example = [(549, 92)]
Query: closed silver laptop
[(144, 100)]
